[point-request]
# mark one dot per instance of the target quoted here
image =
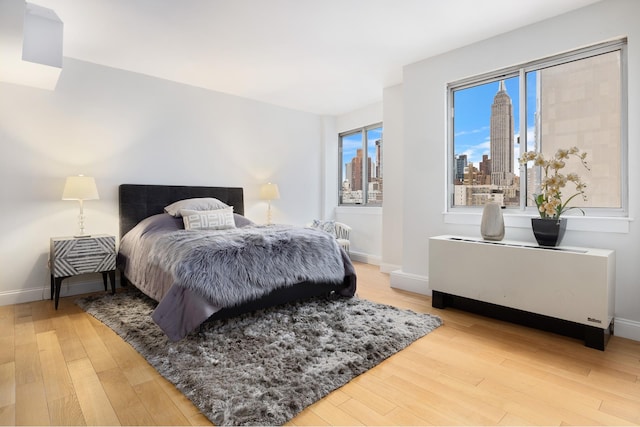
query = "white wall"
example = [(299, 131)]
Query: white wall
[(423, 171), (329, 194), (366, 222), (122, 127), (393, 158)]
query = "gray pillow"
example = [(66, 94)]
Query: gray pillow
[(242, 221), (196, 204)]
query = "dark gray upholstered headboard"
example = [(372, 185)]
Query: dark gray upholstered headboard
[(137, 201)]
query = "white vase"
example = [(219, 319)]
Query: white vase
[(492, 225)]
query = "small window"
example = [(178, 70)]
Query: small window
[(361, 166)]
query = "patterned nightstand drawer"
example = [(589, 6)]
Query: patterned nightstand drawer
[(71, 256)]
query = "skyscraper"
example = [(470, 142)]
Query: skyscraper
[(459, 165), (501, 134), (379, 159), (356, 171)]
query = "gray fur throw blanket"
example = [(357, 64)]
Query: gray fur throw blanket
[(229, 267)]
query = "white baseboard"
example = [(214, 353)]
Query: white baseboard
[(366, 258), (69, 288), (24, 295), (626, 328), (388, 268), (410, 282)]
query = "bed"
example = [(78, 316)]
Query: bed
[(160, 258)]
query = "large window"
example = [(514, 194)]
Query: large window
[(361, 166), (570, 100)]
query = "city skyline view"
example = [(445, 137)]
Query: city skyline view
[(352, 142), (493, 177), (361, 166), (473, 115)]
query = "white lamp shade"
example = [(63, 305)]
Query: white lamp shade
[(269, 191), (80, 188)]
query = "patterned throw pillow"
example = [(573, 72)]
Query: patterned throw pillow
[(219, 219), (328, 226)]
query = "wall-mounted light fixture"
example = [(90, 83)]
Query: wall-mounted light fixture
[(31, 37)]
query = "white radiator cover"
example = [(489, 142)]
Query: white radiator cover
[(569, 283)]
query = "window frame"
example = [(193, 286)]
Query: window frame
[(365, 169), (520, 71)]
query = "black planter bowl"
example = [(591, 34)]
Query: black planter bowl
[(548, 231)]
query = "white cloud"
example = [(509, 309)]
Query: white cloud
[(471, 132)]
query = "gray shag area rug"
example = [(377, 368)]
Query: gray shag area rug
[(264, 368)]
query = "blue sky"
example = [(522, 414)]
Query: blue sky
[(473, 116)]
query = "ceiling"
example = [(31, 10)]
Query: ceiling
[(320, 56)]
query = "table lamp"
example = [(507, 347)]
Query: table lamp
[(80, 188), (269, 192)]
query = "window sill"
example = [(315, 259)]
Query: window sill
[(360, 209), (577, 223)]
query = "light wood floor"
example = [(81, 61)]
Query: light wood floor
[(65, 368)]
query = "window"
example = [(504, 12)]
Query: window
[(574, 99), (360, 154)]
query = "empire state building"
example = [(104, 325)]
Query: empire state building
[(501, 138)]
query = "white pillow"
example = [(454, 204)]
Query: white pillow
[(328, 226), (219, 219), (196, 204)]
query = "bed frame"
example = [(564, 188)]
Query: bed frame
[(138, 201)]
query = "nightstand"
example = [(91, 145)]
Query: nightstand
[(72, 256)]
